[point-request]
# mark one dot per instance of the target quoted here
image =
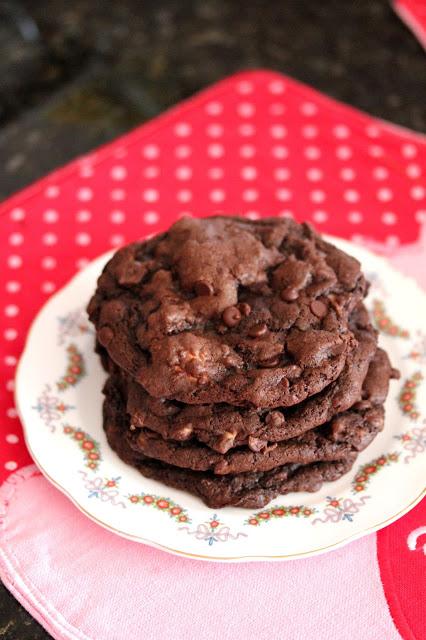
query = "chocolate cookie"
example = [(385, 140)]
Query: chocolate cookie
[(250, 490), (250, 313), (223, 427)]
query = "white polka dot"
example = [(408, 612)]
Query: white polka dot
[(252, 215), (279, 151), (276, 87), (278, 131), (151, 172), (376, 151), (183, 129), (286, 213), (277, 109), (10, 361), (418, 192), (350, 195), (246, 109), (12, 286), (150, 195), (314, 174), (282, 173), (215, 150), (184, 195), (246, 129), (11, 465), (421, 216), (247, 151), (183, 151), (320, 216), (83, 239), (10, 334), (384, 194), (372, 131), (245, 87), (86, 171), (215, 173), (10, 385), (341, 131), (84, 194), (117, 216), (118, 173), (11, 310), (48, 287), (15, 239), (81, 263), (217, 195), (389, 218), (248, 173), (214, 108), (118, 194), (214, 130), (250, 195), (83, 215), (116, 240), (17, 214), (312, 153), (48, 262), (413, 171), (308, 109), (355, 217), (283, 195), (50, 216), (49, 239), (380, 173), (317, 196), (11, 438), (409, 150), (11, 412), (392, 242), (14, 262), (347, 173), (52, 191), (151, 217), (309, 131), (343, 152), (150, 151), (183, 173)]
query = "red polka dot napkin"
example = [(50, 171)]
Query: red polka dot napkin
[(413, 13), (256, 144)]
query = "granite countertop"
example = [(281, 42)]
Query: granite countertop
[(82, 74)]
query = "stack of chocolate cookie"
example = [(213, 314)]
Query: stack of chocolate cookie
[(242, 363)]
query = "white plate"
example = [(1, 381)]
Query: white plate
[(58, 395)]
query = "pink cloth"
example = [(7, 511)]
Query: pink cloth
[(413, 13), (84, 583)]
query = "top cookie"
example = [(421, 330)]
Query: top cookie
[(251, 313)]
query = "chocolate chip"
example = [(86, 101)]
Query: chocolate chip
[(244, 308), (258, 330), (231, 316), (256, 444), (203, 288), (226, 441), (194, 368), (105, 335), (131, 273), (270, 362), (275, 419), (318, 308), (182, 432), (289, 294)]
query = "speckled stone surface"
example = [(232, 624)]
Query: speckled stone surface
[(80, 75)]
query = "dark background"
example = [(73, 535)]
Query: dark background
[(77, 73)]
